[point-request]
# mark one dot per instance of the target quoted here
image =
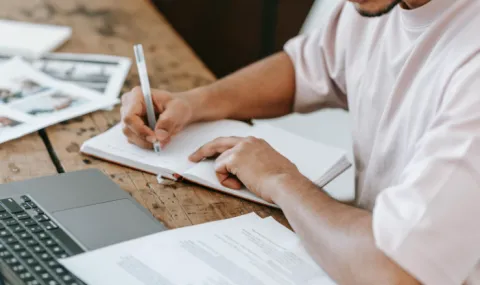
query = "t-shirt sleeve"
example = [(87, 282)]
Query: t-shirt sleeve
[(428, 223), (318, 60)]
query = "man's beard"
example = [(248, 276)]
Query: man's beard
[(381, 12)]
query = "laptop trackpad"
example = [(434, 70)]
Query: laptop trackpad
[(108, 223)]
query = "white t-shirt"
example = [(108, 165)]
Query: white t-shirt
[(411, 81)]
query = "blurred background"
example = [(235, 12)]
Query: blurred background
[(229, 34)]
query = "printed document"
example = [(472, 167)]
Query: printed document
[(246, 250)]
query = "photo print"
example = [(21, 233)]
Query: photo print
[(7, 123), (20, 88), (49, 104)]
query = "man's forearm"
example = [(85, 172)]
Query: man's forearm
[(262, 90), (338, 236)]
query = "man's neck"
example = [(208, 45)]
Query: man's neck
[(412, 4)]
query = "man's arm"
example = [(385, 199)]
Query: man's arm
[(264, 89), (338, 236)]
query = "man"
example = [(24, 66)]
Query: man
[(411, 81)]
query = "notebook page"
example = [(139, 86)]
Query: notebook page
[(114, 146), (313, 159)]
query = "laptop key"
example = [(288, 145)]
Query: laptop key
[(67, 278), (18, 268), (31, 261), (23, 216), (11, 240), (42, 218), (25, 276), (24, 235), (32, 205), (11, 205), (45, 276), (5, 216), (5, 254), (17, 247), (2, 209), (49, 225), (45, 256), (26, 206), (50, 243), (36, 229), (11, 222), (42, 235), (33, 282), (25, 198), (29, 222), (24, 254), (18, 229), (11, 261), (5, 233), (38, 269), (38, 249), (31, 242), (57, 249)]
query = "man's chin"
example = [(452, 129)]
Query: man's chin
[(371, 12)]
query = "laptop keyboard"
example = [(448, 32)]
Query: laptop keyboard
[(30, 244)]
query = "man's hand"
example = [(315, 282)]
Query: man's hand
[(175, 112), (250, 161)]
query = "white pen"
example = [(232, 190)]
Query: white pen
[(147, 95)]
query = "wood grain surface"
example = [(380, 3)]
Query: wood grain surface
[(112, 27)]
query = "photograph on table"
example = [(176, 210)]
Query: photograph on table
[(11, 121), (7, 123), (31, 100), (48, 103), (105, 74), (19, 88)]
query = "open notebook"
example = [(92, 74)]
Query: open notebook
[(318, 162)]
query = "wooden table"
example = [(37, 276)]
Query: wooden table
[(112, 27)]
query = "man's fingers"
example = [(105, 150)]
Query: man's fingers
[(134, 139), (138, 126), (214, 147), (225, 171), (229, 181), (167, 124)]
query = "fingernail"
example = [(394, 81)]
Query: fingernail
[(161, 134), (151, 139)]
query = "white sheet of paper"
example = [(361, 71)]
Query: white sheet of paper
[(246, 250), (31, 40), (31, 100)]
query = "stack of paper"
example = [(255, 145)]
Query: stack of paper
[(246, 250), (31, 100)]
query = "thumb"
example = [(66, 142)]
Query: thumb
[(166, 124)]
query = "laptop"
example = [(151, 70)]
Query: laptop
[(48, 218)]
